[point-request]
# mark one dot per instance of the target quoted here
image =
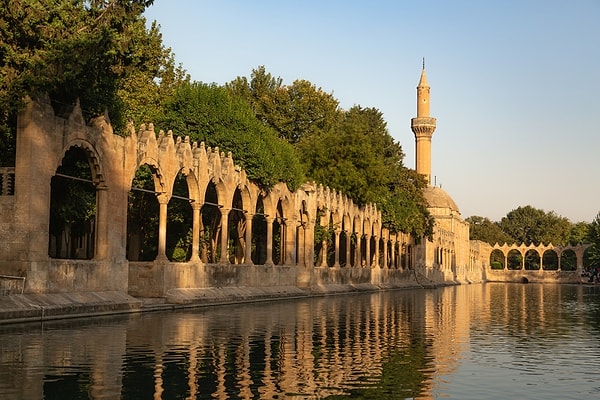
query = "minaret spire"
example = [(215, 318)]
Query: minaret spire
[(423, 127)]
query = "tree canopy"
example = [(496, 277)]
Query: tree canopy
[(208, 113), (97, 51), (350, 151)]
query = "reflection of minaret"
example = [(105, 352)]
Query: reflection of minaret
[(423, 126)]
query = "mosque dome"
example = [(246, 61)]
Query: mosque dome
[(437, 197)]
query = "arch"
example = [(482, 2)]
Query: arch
[(236, 229), (180, 219), (568, 260), (73, 206), (142, 214), (514, 259), (532, 260), (497, 259), (259, 233), (550, 261), (210, 226)]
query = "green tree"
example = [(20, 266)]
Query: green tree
[(300, 109), (70, 50), (482, 228), (579, 233), (530, 225), (593, 253), (208, 113), (367, 166)]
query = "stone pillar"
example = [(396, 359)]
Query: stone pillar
[(163, 201), (393, 254), (357, 251), (348, 249), (324, 249), (375, 262), (101, 251), (248, 249), (300, 245), (336, 247), (269, 260), (385, 254), (196, 207), (290, 245), (368, 251), (224, 235)]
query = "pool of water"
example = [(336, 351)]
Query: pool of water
[(491, 341)]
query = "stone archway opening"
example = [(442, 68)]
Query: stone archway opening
[(142, 216), (568, 260), (550, 260), (73, 208), (180, 221), (532, 260)]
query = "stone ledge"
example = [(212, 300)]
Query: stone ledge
[(39, 307), (223, 295)]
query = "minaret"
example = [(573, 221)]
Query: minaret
[(423, 126)]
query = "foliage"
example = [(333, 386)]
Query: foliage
[(80, 49), (593, 253), (530, 225), (579, 233), (482, 228), (367, 167), (208, 113), (294, 111)]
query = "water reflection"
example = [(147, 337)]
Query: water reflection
[(404, 344)]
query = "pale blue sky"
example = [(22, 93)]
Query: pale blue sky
[(515, 85)]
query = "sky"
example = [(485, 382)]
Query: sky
[(515, 85)]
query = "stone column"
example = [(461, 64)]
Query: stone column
[(368, 251), (324, 249), (336, 247), (375, 262), (300, 245), (357, 251), (196, 207), (269, 260), (163, 201), (224, 234), (348, 249), (385, 254), (248, 249), (393, 254), (101, 251)]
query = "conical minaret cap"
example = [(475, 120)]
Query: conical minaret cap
[(423, 80)]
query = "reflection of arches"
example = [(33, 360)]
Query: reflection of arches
[(550, 260), (532, 260), (73, 206)]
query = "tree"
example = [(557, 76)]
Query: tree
[(300, 109), (208, 113), (367, 166), (593, 253), (482, 228), (530, 225), (81, 49)]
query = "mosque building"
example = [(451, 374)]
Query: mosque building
[(449, 257)]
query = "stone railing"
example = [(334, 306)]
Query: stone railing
[(7, 181)]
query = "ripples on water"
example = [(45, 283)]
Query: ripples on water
[(490, 341)]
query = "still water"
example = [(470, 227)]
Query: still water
[(492, 341)]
